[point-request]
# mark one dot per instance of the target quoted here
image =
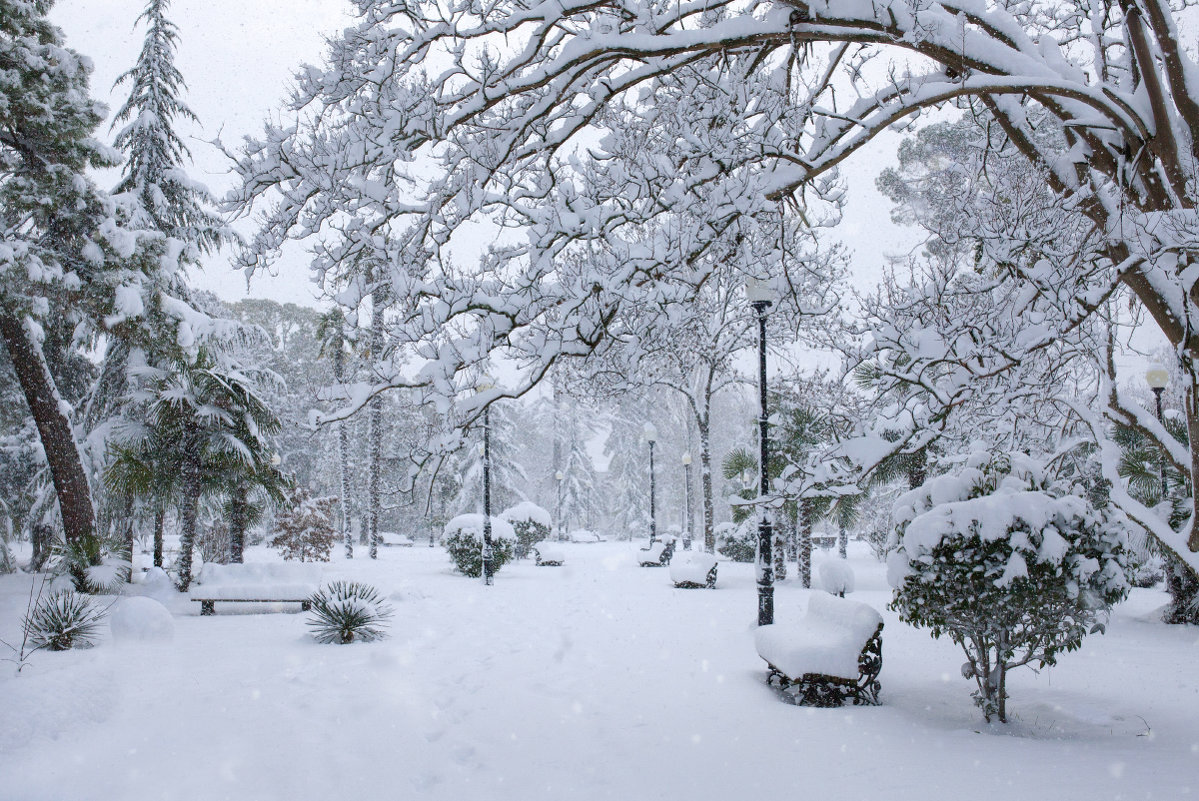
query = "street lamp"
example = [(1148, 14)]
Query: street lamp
[(761, 297), (1157, 377), (558, 476), (651, 436), (488, 550), (687, 501)]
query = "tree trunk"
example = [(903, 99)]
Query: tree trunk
[(705, 475), (805, 543), (54, 429), (1183, 587), (343, 451), (40, 535), (376, 446), (780, 552), (189, 513), (239, 521), (843, 542), (160, 515), (127, 522), (917, 468)]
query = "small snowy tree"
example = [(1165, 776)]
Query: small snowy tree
[(1013, 570), (306, 531)]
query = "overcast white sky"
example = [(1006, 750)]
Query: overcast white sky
[(238, 56)]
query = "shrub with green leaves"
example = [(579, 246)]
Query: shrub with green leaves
[(348, 611), (63, 620), (463, 540), (1012, 568), (95, 565), (738, 542), (530, 523)]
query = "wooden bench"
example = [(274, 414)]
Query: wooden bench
[(548, 555), (656, 555), (268, 582), (694, 571), (832, 656)]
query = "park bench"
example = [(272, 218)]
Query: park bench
[(268, 582), (694, 571), (548, 555), (656, 555), (832, 656)]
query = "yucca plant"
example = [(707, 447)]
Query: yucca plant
[(63, 620), (348, 611)]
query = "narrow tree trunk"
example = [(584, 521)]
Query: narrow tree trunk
[(843, 542), (54, 429), (376, 452), (917, 468), (343, 451), (127, 522), (805, 543), (160, 515), (40, 535), (705, 474), (189, 513), (780, 552)]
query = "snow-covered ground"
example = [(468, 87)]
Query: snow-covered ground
[(595, 680)]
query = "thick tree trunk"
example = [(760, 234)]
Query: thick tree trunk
[(239, 521), (1183, 587), (843, 542), (343, 455), (160, 517), (54, 429), (376, 452), (805, 543), (705, 475)]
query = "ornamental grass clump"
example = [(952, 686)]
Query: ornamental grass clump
[(348, 611), (63, 620), (1012, 568)]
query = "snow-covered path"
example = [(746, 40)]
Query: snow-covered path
[(593, 681)]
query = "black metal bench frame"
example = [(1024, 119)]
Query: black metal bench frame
[(663, 560), (819, 689), (709, 582)]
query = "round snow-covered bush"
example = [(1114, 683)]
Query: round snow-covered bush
[(836, 576), (738, 542), (63, 620), (141, 619), (463, 540), (1013, 569), (348, 611), (530, 523)]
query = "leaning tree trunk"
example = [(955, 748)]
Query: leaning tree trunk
[(189, 514), (54, 429)]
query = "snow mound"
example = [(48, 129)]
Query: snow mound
[(157, 584), (549, 553), (527, 510), (827, 641), (472, 526), (836, 576), (141, 619)]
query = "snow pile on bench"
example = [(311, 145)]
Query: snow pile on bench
[(692, 568), (263, 581), (653, 554), (549, 554), (828, 641)]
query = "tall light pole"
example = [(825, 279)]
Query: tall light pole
[(761, 297), (558, 476), (488, 550), (1158, 378), (687, 533), (651, 436)]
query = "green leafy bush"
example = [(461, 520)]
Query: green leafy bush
[(463, 540), (63, 620), (94, 565), (348, 611), (530, 523), (738, 542), (1013, 569)]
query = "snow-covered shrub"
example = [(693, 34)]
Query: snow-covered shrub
[(141, 619), (531, 524), (1014, 570), (463, 539), (836, 577), (348, 611), (738, 542), (93, 564), (63, 620), (213, 541), (306, 530)]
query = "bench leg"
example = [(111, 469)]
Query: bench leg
[(207, 607), (305, 606)]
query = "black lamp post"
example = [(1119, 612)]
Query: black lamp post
[(488, 549), (761, 297), (687, 533), (1158, 378), (651, 436)]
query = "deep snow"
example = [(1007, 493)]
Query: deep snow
[(596, 680)]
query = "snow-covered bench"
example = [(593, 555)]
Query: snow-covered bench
[(694, 571), (548, 555), (656, 555), (832, 656), (268, 582)]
